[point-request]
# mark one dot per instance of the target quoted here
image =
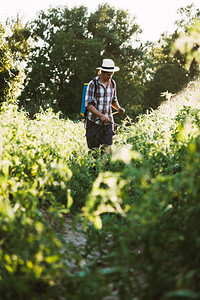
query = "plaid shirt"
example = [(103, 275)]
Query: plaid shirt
[(103, 100)]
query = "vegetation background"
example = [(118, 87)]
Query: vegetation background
[(137, 209), (60, 50)]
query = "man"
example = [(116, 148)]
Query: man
[(100, 98)]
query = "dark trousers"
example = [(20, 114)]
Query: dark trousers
[(98, 135)]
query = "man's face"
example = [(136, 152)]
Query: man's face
[(107, 76)]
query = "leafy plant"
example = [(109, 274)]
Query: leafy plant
[(137, 208)]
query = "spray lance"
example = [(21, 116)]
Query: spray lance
[(127, 128)]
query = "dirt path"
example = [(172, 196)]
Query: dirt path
[(78, 239)]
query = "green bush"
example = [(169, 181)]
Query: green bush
[(139, 206), (150, 246)]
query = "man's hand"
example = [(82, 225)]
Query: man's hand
[(101, 116), (121, 110), (104, 119)]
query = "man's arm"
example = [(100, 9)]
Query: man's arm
[(116, 105)]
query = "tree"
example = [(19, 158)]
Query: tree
[(167, 78), (165, 73), (19, 39), (188, 43), (61, 61), (118, 31), (167, 70), (114, 28), (71, 45), (10, 76)]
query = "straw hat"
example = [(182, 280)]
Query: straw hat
[(108, 65)]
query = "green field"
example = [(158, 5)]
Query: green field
[(137, 209)]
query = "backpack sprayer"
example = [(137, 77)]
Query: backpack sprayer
[(83, 109)]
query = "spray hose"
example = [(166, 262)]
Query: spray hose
[(127, 128)]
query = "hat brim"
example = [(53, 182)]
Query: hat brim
[(115, 69)]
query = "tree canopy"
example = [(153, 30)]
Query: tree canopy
[(71, 44), (9, 73), (62, 47)]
